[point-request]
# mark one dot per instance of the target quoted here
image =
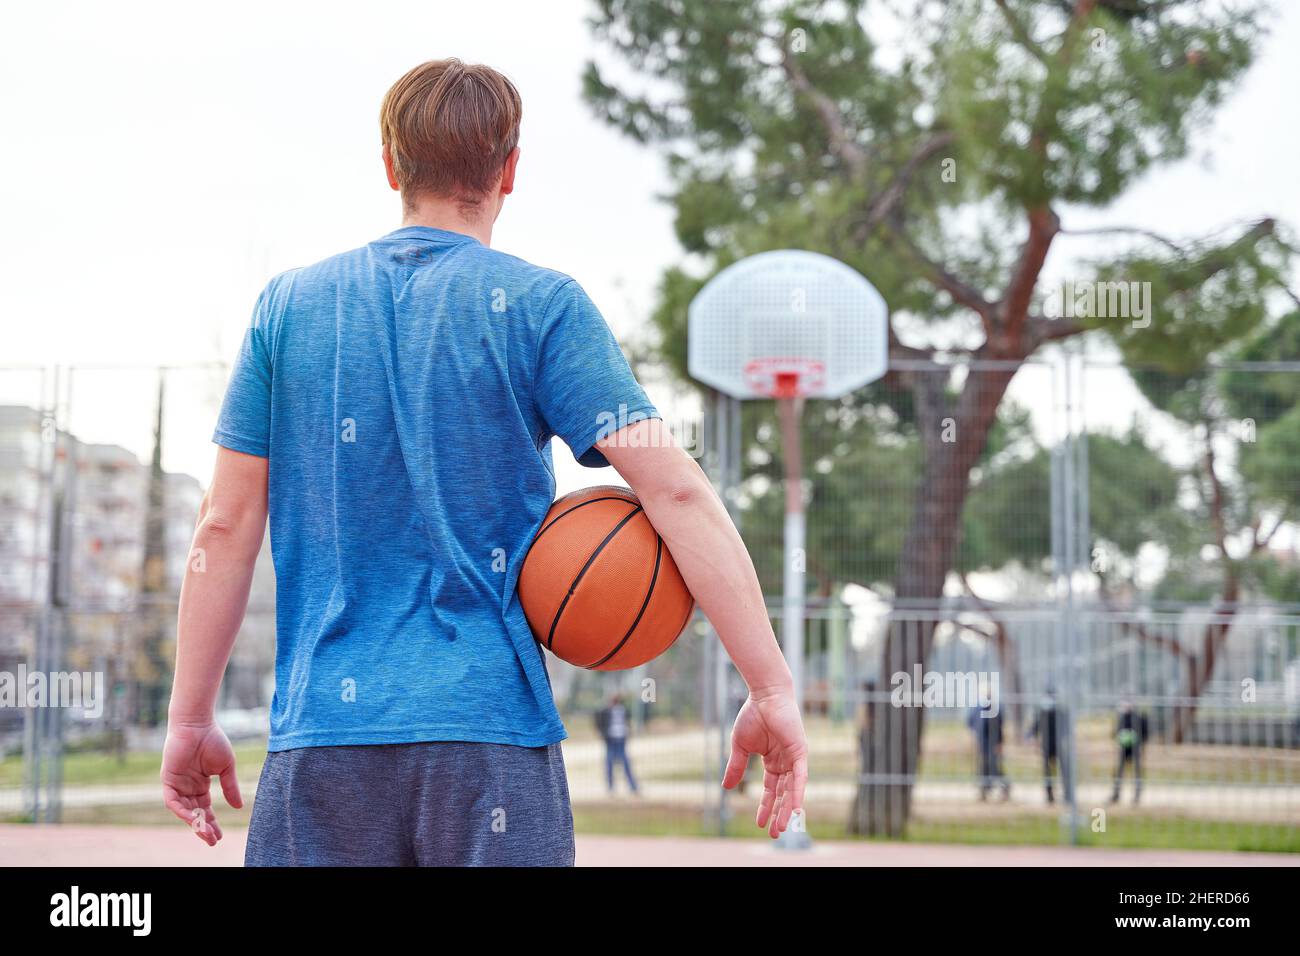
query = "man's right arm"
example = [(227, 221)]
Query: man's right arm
[(681, 504)]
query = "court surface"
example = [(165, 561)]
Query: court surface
[(24, 845)]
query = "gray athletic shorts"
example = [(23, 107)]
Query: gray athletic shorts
[(424, 804)]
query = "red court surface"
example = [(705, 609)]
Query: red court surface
[(22, 845)]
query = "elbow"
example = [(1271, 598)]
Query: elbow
[(223, 531), (215, 526), (666, 477), (211, 522), (689, 489), (684, 494)]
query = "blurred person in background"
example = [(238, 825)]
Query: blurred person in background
[(988, 748), (612, 722), (1049, 726), (1131, 732)]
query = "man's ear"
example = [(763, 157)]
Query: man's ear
[(508, 172), (388, 168)]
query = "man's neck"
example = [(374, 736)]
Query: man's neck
[(447, 215)]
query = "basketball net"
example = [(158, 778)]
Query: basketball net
[(781, 377)]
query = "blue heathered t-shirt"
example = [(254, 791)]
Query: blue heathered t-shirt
[(405, 394)]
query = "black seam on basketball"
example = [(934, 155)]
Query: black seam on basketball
[(659, 551), (573, 586), (570, 511)]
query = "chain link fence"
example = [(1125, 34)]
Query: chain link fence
[(1117, 600)]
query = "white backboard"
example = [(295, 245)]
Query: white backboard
[(788, 309)]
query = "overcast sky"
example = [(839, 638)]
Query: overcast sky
[(163, 160)]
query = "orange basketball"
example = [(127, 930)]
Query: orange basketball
[(599, 587)]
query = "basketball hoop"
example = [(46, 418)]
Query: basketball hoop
[(785, 377), (787, 324)]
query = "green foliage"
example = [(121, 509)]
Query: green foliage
[(851, 458), (1132, 500), (1269, 464), (1132, 494), (1204, 300), (1042, 110), (1245, 421), (784, 122), (1008, 517), (1055, 110), (676, 289), (1186, 395), (1133, 497), (1264, 396), (1273, 577)]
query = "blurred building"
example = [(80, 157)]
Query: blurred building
[(24, 518), (24, 541), (106, 500), (100, 495)]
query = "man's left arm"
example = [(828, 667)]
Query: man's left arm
[(214, 596)]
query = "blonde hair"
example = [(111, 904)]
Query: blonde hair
[(449, 127)]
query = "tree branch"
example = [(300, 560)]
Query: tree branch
[(1082, 10), (1128, 230), (1169, 644), (1216, 501), (1021, 33), (1044, 224), (962, 292), (904, 377), (1040, 330), (883, 205), (1047, 106), (897, 350), (842, 144), (1259, 544), (1138, 629), (1220, 259), (967, 626)]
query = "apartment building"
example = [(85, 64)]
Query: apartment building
[(100, 493)]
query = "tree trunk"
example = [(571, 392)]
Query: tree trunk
[(1010, 667), (1201, 668), (953, 445)]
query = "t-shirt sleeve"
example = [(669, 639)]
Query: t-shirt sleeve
[(585, 390), (244, 424)]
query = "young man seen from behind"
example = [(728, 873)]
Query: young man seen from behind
[(391, 410)]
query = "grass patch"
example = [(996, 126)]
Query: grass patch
[(90, 768), (140, 814), (1128, 832)]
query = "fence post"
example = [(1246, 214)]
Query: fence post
[(836, 663), (43, 726), (1066, 530)]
